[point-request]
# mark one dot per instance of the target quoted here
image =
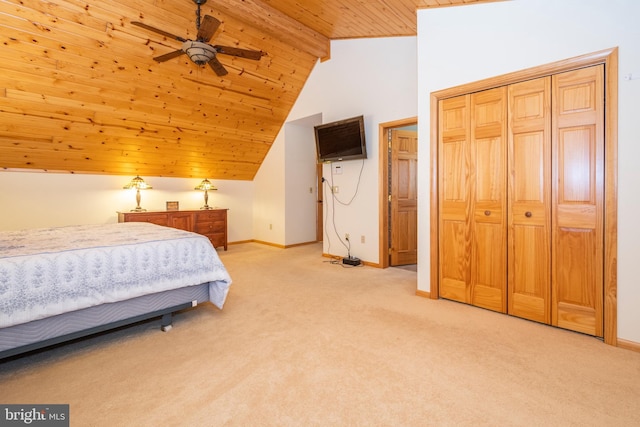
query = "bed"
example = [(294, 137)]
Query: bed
[(59, 284)]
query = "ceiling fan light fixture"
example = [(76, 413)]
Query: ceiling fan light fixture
[(199, 52)]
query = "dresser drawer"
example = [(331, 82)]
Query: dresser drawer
[(211, 215), (208, 227), (218, 240), (154, 218)]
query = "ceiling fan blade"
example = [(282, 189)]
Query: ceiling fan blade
[(155, 30), (242, 53), (208, 27), (168, 56), (218, 67)]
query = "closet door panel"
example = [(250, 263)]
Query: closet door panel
[(489, 272), (454, 261), (454, 199), (578, 214), (488, 224), (529, 276), (529, 218), (576, 293)]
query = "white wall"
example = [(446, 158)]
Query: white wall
[(41, 199), (269, 198), (371, 77), (300, 180), (458, 45)]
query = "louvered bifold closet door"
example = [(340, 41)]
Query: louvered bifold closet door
[(529, 220), (578, 198)]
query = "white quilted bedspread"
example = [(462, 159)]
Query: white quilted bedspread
[(49, 271)]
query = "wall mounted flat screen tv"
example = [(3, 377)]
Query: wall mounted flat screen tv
[(341, 140)]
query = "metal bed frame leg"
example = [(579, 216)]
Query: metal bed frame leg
[(166, 323)]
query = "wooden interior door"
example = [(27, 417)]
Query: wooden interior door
[(454, 198), (489, 197), (578, 195), (529, 219), (404, 197)]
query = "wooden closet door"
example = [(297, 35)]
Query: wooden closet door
[(578, 195), (472, 192), (529, 219), (489, 213), (454, 199)]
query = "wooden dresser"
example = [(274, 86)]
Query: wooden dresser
[(210, 222)]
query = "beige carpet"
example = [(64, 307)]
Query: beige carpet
[(302, 342)]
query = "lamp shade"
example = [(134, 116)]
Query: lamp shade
[(205, 185), (137, 183)]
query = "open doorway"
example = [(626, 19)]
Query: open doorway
[(398, 193)]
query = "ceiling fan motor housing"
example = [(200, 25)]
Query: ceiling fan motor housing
[(199, 52)]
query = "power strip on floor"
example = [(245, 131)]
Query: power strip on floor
[(351, 261)]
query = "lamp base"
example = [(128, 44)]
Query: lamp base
[(205, 207), (138, 209)]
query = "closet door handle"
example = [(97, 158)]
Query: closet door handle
[(528, 214), (487, 213)]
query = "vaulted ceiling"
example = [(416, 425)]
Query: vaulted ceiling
[(81, 93)]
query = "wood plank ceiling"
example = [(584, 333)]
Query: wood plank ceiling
[(80, 92)]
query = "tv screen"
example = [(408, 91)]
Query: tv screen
[(341, 140)]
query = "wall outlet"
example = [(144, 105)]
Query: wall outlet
[(346, 236), (270, 226), (362, 239), (335, 189)]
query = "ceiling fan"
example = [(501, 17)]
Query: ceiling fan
[(199, 50)]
